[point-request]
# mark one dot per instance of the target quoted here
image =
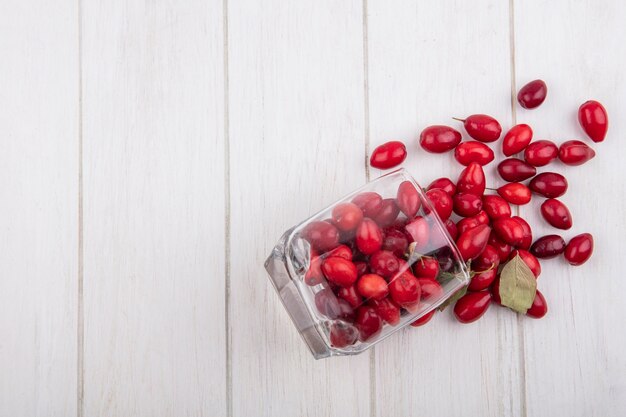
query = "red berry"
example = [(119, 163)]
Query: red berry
[(408, 199), (527, 240), (351, 295), (472, 306), (467, 205), (424, 319), (482, 127), (388, 155), (509, 230), (488, 259), (515, 170), (549, 184), (471, 180), (532, 94), (575, 152), (314, 275), (556, 213), (470, 222), (516, 139), (579, 249), (341, 251), (539, 307), (369, 237), (594, 120), (482, 280), (332, 307), (515, 193), (452, 229), (529, 259), (426, 268), (339, 271), (431, 290), (419, 230), (547, 247), (361, 268), (369, 202), (395, 241), (384, 263), (367, 322), (347, 216), (472, 242), (372, 286), (496, 207), (387, 310), (342, 334), (388, 213), (445, 184), (495, 291), (441, 202), (405, 290), (503, 248), (541, 153), (439, 139), (322, 236), (473, 151)]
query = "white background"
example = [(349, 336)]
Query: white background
[(152, 153)]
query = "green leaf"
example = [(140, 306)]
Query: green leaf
[(518, 285), (454, 298)]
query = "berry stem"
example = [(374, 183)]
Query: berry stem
[(458, 119)]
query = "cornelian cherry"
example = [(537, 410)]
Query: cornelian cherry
[(445, 184), (503, 248), (549, 184), (509, 230), (532, 94), (473, 151), (527, 240), (321, 235), (351, 295), (496, 207), (388, 212), (472, 242), (482, 127), (405, 290), (369, 202), (466, 204), (515, 170), (388, 155), (441, 202), (471, 180), (424, 319), (408, 199), (430, 289), (419, 230), (369, 237), (472, 306), (516, 139), (547, 247), (347, 216), (395, 241), (439, 139), (575, 152), (367, 322), (539, 307), (515, 193), (556, 213), (594, 120), (372, 286), (384, 263), (579, 249), (540, 153), (387, 310), (482, 280), (529, 259)]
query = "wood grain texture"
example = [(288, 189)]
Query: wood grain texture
[(296, 137), (422, 72), (38, 207), (154, 215), (574, 358)]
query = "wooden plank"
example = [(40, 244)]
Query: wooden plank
[(154, 231), (428, 62), (39, 214), (575, 362), (296, 129)]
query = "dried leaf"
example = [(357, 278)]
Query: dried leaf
[(454, 298), (518, 285)]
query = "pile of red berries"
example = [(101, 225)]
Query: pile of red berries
[(486, 233)]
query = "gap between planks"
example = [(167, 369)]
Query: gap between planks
[(80, 322)]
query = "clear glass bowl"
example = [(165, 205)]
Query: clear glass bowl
[(353, 274)]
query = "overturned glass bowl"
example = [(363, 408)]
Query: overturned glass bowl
[(363, 268)]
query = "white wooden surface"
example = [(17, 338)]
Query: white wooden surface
[(151, 153)]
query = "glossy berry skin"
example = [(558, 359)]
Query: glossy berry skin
[(424, 319), (496, 207), (515, 193), (482, 127), (540, 153), (388, 213), (594, 120), (332, 307), (503, 248), (395, 241), (467, 205), (387, 310), (549, 184), (532, 94), (384, 263), (405, 290), (369, 202), (516, 139), (556, 213), (347, 216), (339, 271), (372, 286), (441, 202), (369, 237), (419, 230), (483, 280), (529, 259), (430, 289), (351, 295), (342, 251), (488, 259), (426, 268), (452, 229), (509, 230), (547, 247), (539, 307), (472, 306), (473, 151), (367, 322), (579, 249), (342, 334), (515, 170), (439, 139), (495, 291), (445, 184), (323, 236), (314, 275), (470, 222), (472, 242), (408, 199), (575, 152), (388, 155), (471, 180), (527, 240)]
